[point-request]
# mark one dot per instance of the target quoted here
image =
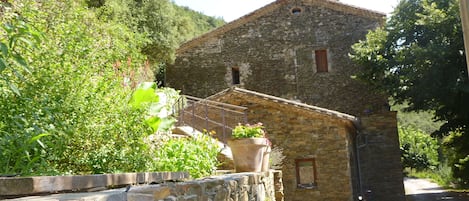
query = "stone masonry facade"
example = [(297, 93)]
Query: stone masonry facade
[(297, 52), (380, 157), (303, 132), (353, 156), (273, 49)]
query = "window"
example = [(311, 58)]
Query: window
[(235, 75), (321, 61), (306, 173), (296, 11)]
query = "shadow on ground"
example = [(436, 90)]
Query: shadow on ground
[(450, 196)]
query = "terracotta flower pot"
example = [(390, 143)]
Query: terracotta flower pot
[(266, 159), (248, 153)]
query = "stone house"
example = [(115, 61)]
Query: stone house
[(328, 155), (297, 52), (293, 49)]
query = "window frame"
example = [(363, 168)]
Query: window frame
[(312, 185), (235, 76), (321, 60)]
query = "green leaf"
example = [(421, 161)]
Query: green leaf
[(4, 49), (142, 97), (22, 62), (8, 27), (166, 124), (3, 65), (153, 122), (14, 88), (37, 137), (29, 42)]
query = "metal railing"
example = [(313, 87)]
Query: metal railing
[(203, 114)]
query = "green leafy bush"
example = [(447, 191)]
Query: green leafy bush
[(157, 103), (69, 112), (196, 155), (457, 155), (69, 106), (419, 150)]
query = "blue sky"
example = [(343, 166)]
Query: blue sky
[(233, 9)]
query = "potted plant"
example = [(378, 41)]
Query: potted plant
[(250, 148)]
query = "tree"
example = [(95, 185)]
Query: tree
[(164, 25), (418, 58)]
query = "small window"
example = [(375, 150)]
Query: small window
[(296, 11), (235, 75), (321, 61), (306, 173)]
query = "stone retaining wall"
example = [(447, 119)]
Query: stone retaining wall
[(266, 186)]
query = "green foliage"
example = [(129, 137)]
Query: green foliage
[(163, 24), (248, 131), (18, 36), (457, 154), (67, 101), (196, 23), (157, 103), (196, 155), (419, 149), (442, 175), (422, 120), (73, 115), (418, 58)]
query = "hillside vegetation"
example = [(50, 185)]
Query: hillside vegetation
[(68, 71)]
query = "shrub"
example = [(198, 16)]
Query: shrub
[(457, 155), (68, 111), (196, 155), (419, 150)]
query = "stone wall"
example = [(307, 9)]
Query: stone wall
[(265, 186), (379, 153), (274, 52), (240, 186), (301, 133)]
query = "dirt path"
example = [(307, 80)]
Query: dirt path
[(425, 190)]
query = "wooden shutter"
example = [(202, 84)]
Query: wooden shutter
[(321, 61)]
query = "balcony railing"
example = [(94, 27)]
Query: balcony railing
[(203, 114)]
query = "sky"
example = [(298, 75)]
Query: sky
[(230, 10)]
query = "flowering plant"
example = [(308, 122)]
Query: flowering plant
[(248, 131)]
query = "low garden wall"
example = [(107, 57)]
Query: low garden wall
[(265, 186)]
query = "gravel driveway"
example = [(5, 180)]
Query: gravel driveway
[(425, 190)]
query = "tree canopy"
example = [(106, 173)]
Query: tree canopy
[(418, 58), (164, 24)]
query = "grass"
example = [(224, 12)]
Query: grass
[(441, 175)]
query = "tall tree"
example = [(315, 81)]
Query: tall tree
[(418, 57), (164, 24)]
